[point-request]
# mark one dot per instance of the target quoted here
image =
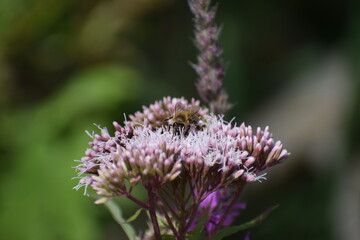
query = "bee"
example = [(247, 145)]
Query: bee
[(184, 119)]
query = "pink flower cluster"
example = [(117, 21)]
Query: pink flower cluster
[(184, 175), (144, 151)]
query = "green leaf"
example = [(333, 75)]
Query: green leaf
[(134, 216), (116, 212), (102, 200), (50, 139), (168, 237), (234, 229)]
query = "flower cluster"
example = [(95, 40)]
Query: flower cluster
[(149, 158), (146, 151), (219, 154), (103, 147)]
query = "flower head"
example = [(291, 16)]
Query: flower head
[(146, 152), (149, 158)]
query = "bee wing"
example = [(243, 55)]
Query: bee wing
[(179, 107), (194, 109)]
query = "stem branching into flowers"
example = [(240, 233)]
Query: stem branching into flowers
[(137, 201), (168, 219), (186, 177), (229, 208)]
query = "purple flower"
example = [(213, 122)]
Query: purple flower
[(215, 204), (247, 236)]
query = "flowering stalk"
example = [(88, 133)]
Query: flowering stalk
[(152, 212), (193, 165), (210, 66)]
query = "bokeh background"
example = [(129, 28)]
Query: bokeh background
[(66, 64)]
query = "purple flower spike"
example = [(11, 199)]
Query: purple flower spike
[(210, 66)]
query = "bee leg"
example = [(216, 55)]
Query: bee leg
[(167, 119), (166, 124), (186, 130), (176, 131), (199, 128), (178, 128)]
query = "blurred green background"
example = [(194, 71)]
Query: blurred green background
[(292, 65)]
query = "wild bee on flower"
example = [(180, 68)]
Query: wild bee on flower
[(185, 119)]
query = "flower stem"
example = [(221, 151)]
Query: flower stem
[(152, 212), (173, 212), (228, 209), (194, 208), (183, 211), (168, 219), (137, 201)]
